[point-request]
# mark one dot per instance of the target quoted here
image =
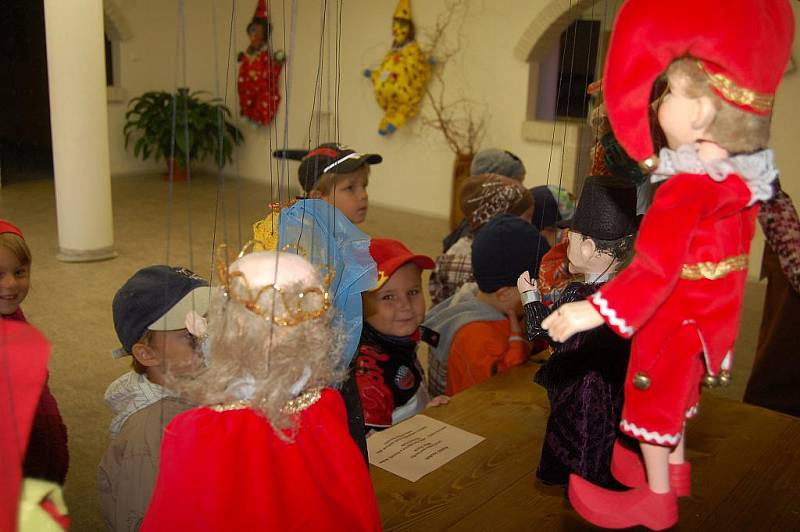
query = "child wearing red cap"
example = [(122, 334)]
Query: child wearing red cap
[(47, 456), (680, 298), (388, 374)]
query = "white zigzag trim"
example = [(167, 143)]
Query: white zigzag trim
[(611, 314), (661, 439)]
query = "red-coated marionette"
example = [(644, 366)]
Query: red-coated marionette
[(25, 503), (260, 71), (680, 299)]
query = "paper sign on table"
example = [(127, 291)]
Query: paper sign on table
[(417, 446)]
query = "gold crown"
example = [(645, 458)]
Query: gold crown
[(298, 306)]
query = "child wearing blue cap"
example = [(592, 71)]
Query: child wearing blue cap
[(158, 319)]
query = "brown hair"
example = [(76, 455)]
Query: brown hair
[(17, 246), (736, 130), (325, 183)]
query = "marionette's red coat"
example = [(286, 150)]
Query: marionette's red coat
[(259, 86), (23, 362), (682, 327), (230, 471)]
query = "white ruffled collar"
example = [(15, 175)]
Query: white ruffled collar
[(590, 278), (757, 169)]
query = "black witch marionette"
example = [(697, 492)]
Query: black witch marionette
[(584, 376)]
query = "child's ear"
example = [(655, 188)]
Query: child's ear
[(315, 194), (504, 293), (145, 355)]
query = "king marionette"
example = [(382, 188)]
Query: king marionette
[(680, 298)]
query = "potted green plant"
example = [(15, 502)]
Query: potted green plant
[(180, 127)]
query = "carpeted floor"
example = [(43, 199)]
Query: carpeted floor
[(71, 303)]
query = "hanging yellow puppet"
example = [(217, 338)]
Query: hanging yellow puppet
[(400, 82)]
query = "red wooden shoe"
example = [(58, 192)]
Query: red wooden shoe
[(622, 509), (627, 467)]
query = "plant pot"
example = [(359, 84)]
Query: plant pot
[(461, 171), (179, 173)]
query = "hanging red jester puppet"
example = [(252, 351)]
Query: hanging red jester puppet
[(260, 71), (680, 298)]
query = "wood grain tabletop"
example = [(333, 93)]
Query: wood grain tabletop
[(745, 460)]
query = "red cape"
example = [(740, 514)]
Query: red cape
[(24, 353), (230, 471)]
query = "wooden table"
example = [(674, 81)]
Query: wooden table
[(745, 460)]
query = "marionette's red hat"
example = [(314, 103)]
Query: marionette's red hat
[(24, 352), (261, 10), (743, 46)]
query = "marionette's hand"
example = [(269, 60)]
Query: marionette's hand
[(526, 284), (570, 319), (367, 73), (279, 56), (439, 400)]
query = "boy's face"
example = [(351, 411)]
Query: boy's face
[(173, 352), (398, 307), (349, 194), (14, 281)]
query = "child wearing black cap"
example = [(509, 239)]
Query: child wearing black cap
[(476, 333), (158, 317), (330, 172), (340, 176)]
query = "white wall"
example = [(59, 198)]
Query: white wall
[(416, 174)]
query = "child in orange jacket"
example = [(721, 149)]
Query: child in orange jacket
[(476, 333)]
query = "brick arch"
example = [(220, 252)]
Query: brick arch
[(547, 25)]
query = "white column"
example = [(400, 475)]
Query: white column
[(79, 128)]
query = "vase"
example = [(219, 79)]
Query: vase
[(179, 173), (461, 171)]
